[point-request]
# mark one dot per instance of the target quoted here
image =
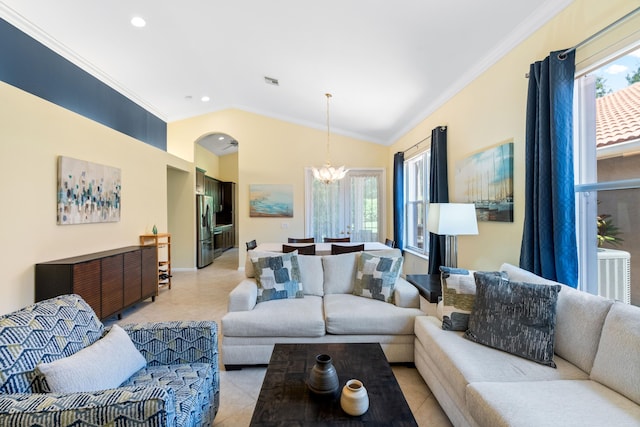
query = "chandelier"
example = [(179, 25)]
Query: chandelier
[(327, 173)]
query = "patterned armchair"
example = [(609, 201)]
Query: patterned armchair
[(179, 386)]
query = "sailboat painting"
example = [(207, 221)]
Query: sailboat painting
[(486, 179)]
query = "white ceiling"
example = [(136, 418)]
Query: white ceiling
[(387, 64)]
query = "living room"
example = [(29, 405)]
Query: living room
[(159, 180), (488, 110)]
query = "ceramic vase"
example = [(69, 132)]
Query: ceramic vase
[(354, 399), (323, 378)]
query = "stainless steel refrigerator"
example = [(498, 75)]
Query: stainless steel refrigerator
[(205, 223)]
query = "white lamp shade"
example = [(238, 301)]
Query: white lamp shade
[(452, 219)]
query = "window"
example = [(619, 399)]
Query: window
[(352, 207), (607, 171), (416, 184)]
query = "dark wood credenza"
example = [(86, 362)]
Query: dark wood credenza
[(109, 281)]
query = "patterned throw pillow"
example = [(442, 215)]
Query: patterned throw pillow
[(458, 296), (278, 277), (518, 318), (376, 276)]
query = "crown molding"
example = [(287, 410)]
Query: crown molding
[(536, 20)]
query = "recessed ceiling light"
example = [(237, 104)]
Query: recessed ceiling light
[(138, 22), (205, 99)]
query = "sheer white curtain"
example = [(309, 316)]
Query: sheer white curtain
[(352, 207)]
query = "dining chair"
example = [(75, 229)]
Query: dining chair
[(340, 249), (390, 243), (251, 244), (301, 240), (337, 239), (302, 250)]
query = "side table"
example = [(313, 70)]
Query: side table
[(428, 285), (430, 290)]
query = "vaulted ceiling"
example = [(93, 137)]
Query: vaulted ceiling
[(387, 64)]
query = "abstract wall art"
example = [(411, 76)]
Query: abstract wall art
[(486, 179), (87, 192), (271, 200)]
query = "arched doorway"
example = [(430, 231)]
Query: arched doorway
[(216, 161)]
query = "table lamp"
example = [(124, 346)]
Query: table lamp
[(452, 220)]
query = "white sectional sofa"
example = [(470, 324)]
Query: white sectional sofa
[(328, 312), (596, 382)]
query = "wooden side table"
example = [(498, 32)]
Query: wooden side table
[(428, 285), (162, 242)]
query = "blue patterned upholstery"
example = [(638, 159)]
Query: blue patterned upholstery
[(179, 386)]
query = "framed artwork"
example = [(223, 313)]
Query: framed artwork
[(87, 192), (271, 200), (486, 179)]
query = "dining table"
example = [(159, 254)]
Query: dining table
[(321, 247)]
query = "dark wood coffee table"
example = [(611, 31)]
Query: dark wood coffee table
[(285, 399)]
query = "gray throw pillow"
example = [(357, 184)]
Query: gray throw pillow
[(518, 318)]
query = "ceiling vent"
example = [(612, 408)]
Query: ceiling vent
[(271, 81)]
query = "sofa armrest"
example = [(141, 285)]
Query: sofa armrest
[(170, 343), (244, 296), (405, 294), (143, 406)]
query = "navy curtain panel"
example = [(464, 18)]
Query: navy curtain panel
[(438, 193), (549, 246), (398, 199)]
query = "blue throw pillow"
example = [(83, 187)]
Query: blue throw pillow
[(278, 277), (376, 277)]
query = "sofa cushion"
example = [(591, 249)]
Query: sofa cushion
[(105, 364), (311, 274), (278, 318), (579, 319), (458, 296), (278, 277), (193, 385), (549, 404), (516, 317), (463, 362), (617, 363), (376, 276), (350, 314), (339, 273)]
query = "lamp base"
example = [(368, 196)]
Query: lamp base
[(451, 253)]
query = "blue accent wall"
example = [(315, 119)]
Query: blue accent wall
[(29, 65)]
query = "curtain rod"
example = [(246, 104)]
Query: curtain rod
[(597, 34), (602, 31), (442, 128), (417, 144)]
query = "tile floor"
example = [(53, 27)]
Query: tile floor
[(202, 295)]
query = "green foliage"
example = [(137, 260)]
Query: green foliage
[(634, 78), (601, 87), (608, 233)]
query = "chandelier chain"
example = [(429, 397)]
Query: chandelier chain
[(328, 95)]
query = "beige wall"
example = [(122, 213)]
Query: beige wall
[(34, 133), (207, 161), (272, 151), (491, 110)]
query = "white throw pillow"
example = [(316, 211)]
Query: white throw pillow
[(105, 364)]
